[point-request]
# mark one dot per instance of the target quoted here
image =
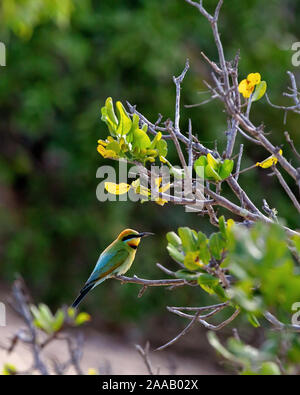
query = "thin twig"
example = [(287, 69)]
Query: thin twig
[(182, 333), (177, 81), (287, 189), (280, 326), (144, 352), (238, 165), (190, 147), (27, 317), (291, 142)]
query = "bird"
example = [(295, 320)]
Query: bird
[(116, 259)]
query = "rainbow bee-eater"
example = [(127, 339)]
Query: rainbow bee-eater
[(116, 259)]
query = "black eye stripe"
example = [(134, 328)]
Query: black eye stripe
[(133, 246), (129, 237)]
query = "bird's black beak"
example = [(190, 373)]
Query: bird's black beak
[(145, 234)]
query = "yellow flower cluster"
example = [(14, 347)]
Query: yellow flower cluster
[(246, 87), (120, 189)]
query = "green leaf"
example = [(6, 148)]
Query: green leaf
[(140, 139), (186, 275), (42, 317), (110, 111), (201, 238), (211, 285), (269, 369), (210, 173), (226, 168), (215, 343), (108, 122), (58, 320), (259, 92), (216, 245), (247, 354), (219, 290), (134, 126), (208, 279), (145, 127), (188, 238), (162, 148), (109, 117), (125, 122), (175, 254), (174, 239), (199, 165), (222, 226), (253, 320), (202, 244), (46, 312)]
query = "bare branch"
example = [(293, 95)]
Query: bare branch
[(238, 165), (151, 283), (165, 270), (144, 352), (213, 65), (202, 321), (278, 325), (287, 189), (182, 333), (177, 81), (291, 142), (178, 148), (18, 292), (231, 136), (248, 137), (190, 147), (201, 9), (202, 308)]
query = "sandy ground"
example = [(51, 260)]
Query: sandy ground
[(106, 353)]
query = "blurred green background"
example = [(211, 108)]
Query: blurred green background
[(64, 58)]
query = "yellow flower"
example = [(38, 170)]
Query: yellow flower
[(162, 189), (246, 86), (106, 153), (246, 89), (254, 78), (102, 142), (117, 189), (272, 160)]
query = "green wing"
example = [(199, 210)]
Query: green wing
[(107, 263)]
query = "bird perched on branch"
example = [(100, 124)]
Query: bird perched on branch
[(116, 259)]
